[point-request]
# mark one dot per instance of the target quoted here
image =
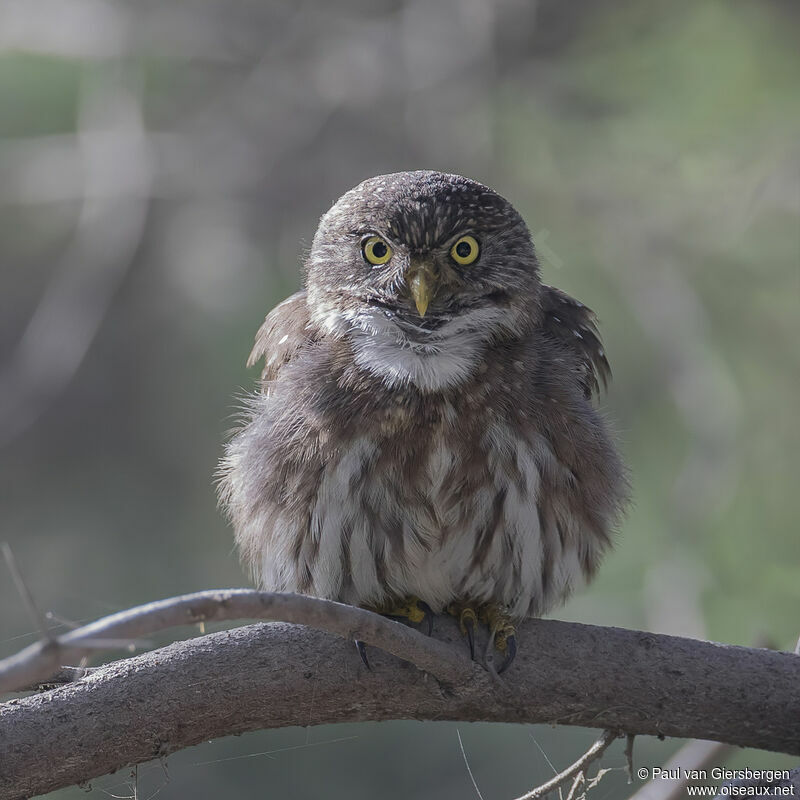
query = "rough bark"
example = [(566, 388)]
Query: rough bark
[(273, 675)]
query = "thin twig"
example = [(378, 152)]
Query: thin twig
[(629, 739), (131, 645), (25, 593), (579, 779), (544, 755), (51, 616), (592, 754), (466, 762)]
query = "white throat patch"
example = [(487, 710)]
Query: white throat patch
[(430, 360), (430, 368)]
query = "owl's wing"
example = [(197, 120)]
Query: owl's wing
[(283, 333), (574, 326)]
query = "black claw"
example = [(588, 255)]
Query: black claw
[(469, 627), (362, 651), (428, 614), (511, 652)]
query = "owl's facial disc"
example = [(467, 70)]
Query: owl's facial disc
[(420, 272)]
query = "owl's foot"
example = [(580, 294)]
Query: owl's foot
[(502, 631), (411, 610), (467, 622)]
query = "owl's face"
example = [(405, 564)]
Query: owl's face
[(418, 270)]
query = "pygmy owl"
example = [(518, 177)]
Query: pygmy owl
[(424, 436)]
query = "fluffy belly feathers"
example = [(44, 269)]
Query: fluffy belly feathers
[(447, 525)]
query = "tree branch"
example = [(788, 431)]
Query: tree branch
[(269, 676), (44, 659), (579, 767)]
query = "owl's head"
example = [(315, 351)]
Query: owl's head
[(419, 270)]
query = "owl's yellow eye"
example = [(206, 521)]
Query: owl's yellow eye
[(465, 250), (376, 251)]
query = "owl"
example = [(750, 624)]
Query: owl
[(424, 439)]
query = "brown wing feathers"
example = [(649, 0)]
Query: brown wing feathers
[(282, 334), (574, 326)]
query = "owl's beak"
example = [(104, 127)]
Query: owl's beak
[(423, 281)]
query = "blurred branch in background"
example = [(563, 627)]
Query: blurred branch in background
[(694, 755), (115, 170)]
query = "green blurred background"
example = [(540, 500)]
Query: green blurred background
[(162, 168)]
